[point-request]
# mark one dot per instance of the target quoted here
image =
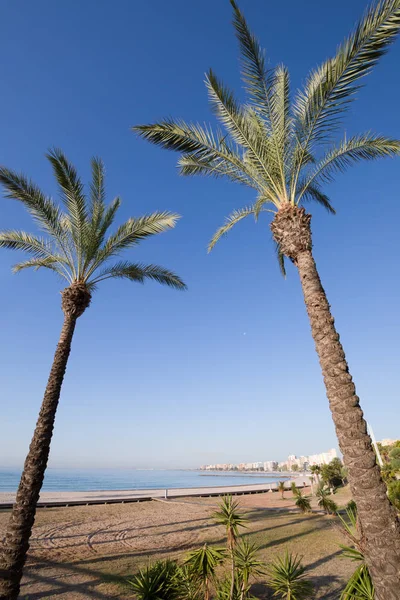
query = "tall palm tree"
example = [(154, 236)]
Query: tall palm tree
[(283, 148), (78, 246)]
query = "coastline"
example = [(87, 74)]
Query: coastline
[(58, 498)]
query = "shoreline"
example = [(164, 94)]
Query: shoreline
[(55, 498)]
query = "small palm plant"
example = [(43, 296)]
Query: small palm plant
[(189, 584), (325, 502), (247, 565), (225, 590), (286, 578), (281, 489), (229, 516), (76, 245), (294, 488), (160, 581), (203, 563), (360, 585), (302, 502)]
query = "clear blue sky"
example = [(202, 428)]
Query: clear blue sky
[(226, 371)]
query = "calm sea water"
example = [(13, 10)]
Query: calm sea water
[(85, 480)]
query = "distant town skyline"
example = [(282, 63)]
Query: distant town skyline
[(302, 462)]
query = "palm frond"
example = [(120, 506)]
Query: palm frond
[(139, 272), (135, 230), (73, 196), (97, 194), (231, 221), (236, 122), (189, 165), (366, 146), (281, 259), (199, 142), (131, 233), (280, 116), (258, 79), (47, 263), (331, 87), (41, 208), (97, 187), (315, 194), (33, 245)]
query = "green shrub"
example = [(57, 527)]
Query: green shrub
[(159, 581), (303, 503), (394, 493)]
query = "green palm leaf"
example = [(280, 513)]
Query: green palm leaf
[(139, 272), (271, 143), (76, 245)]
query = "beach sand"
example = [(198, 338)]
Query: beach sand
[(88, 551)]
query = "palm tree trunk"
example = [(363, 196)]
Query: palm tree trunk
[(380, 527), (19, 529)]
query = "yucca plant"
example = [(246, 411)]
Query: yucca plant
[(225, 590), (230, 516), (302, 502), (160, 581), (247, 565), (359, 586), (77, 245), (294, 488), (287, 579), (284, 148), (232, 519), (203, 563), (189, 584)]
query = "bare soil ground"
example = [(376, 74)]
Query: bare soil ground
[(79, 553)]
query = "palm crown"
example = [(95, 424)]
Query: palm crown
[(77, 244), (276, 144)]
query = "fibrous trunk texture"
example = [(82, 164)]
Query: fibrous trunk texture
[(378, 520), (13, 556)]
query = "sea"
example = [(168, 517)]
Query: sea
[(88, 480)]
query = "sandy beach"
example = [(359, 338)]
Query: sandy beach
[(86, 552), (63, 498)]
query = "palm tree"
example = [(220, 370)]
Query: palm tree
[(278, 147), (229, 516), (78, 247), (203, 563), (287, 578), (281, 488)]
